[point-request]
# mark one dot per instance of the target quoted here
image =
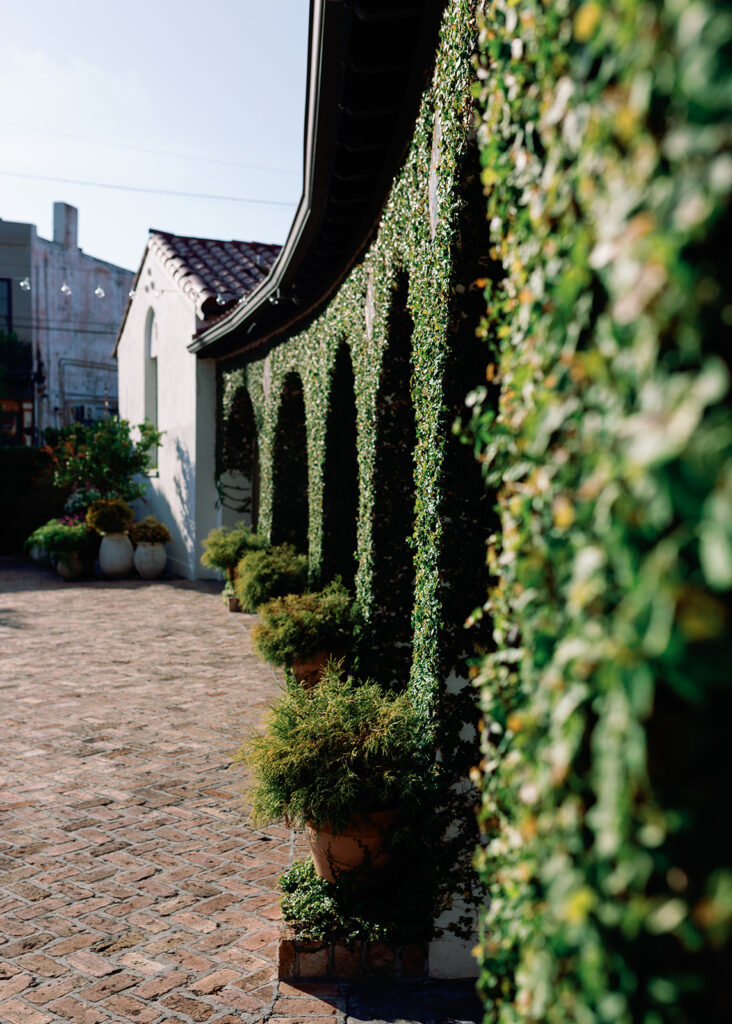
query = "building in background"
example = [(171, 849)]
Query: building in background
[(59, 313), (184, 285)]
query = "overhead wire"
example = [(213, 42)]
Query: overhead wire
[(150, 191)]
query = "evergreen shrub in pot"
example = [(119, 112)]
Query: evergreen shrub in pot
[(302, 631), (224, 548), (112, 517), (343, 759), (274, 572)]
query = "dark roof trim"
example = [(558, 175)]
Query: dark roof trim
[(367, 69)]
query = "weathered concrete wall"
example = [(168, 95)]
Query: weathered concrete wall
[(75, 330), (72, 333)]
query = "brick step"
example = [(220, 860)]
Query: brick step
[(300, 958)]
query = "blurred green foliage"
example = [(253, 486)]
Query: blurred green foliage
[(604, 425)]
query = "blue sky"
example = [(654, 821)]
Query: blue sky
[(178, 96)]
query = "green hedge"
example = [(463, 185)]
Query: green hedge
[(28, 497), (605, 426)]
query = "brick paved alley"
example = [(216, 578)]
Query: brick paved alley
[(131, 886)]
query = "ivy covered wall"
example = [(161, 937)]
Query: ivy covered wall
[(604, 425), (385, 368), (392, 328)]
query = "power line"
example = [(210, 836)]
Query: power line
[(151, 191), (143, 149)]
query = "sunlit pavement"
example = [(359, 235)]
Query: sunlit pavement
[(131, 886)]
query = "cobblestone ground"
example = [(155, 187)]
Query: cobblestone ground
[(131, 886)]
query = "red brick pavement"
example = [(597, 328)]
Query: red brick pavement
[(132, 888)]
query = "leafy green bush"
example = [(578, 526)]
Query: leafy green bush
[(58, 537), (79, 501), (273, 572), (390, 905), (109, 515), (294, 627), (150, 531), (336, 751), (606, 431), (103, 457), (224, 547)]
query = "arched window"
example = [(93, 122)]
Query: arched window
[(290, 469), (340, 475), (151, 377)]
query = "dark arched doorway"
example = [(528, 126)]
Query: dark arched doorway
[(394, 493), (239, 459), (340, 475), (290, 468)]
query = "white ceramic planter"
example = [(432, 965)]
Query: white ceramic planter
[(115, 555), (150, 559)]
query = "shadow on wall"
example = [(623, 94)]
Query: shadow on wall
[(184, 482), (181, 519)]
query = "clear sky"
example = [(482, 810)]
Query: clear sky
[(156, 94)]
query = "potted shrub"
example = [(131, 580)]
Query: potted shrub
[(112, 517), (224, 548), (149, 537), (302, 631), (273, 572), (341, 759), (67, 543)]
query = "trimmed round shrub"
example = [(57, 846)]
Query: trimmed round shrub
[(274, 572), (296, 626), (224, 547), (109, 515), (150, 531)]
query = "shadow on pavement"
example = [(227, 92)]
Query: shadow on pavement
[(446, 1002)]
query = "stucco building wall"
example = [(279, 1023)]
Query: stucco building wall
[(161, 380)]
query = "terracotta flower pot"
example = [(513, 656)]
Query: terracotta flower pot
[(69, 566), (363, 839), (308, 670)]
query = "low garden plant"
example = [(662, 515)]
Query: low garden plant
[(150, 531), (335, 752), (65, 536), (274, 572), (297, 626), (392, 905), (109, 515), (224, 547)]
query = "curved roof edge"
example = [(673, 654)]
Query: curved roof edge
[(368, 65)]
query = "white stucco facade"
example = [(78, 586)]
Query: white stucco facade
[(160, 379)]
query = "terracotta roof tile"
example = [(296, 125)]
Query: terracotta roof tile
[(216, 274)]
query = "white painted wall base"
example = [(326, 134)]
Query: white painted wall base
[(449, 956)]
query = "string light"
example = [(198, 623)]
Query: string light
[(100, 293)]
